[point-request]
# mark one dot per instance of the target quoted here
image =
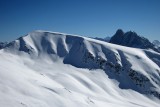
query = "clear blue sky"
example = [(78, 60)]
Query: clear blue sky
[(93, 18)]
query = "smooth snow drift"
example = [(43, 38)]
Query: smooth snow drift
[(48, 69)]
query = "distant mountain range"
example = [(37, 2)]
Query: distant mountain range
[(156, 43), (2, 44), (132, 39), (106, 39)]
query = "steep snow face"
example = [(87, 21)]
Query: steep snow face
[(116, 72)]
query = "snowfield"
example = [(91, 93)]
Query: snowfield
[(48, 69)]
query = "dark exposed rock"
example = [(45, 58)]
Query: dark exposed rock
[(132, 39), (118, 37), (141, 81)]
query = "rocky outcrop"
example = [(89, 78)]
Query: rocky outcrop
[(140, 81)]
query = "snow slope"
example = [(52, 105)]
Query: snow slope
[(49, 69)]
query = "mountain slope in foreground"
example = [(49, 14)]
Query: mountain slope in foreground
[(48, 69)]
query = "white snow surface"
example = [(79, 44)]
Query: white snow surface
[(45, 69)]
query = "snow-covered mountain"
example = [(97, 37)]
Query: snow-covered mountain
[(2, 44), (131, 39), (49, 69), (156, 43)]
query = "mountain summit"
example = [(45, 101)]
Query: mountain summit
[(131, 39), (44, 69)]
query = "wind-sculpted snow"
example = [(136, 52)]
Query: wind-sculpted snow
[(54, 69)]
